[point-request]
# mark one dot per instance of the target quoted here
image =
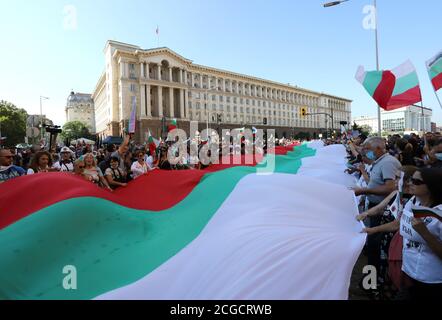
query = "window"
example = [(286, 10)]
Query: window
[(221, 98), (213, 98), (234, 100), (132, 87)]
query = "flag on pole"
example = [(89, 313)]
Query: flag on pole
[(379, 84), (157, 31), (406, 90), (392, 89), (153, 143), (434, 67), (133, 115), (172, 125), (395, 204)]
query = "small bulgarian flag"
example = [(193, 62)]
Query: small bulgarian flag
[(423, 212), (153, 143), (434, 67), (392, 89), (172, 125)]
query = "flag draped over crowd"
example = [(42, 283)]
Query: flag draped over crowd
[(227, 232), (392, 89)]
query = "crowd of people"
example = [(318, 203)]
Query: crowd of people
[(396, 176), (113, 166)]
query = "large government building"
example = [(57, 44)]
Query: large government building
[(164, 85), (80, 107)]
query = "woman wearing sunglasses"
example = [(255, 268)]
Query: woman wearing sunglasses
[(422, 259), (140, 166)]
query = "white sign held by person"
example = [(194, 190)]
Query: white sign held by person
[(406, 229)]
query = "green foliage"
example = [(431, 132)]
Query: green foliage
[(12, 123), (75, 129)]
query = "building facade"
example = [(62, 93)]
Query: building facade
[(80, 107), (164, 85), (368, 121), (411, 118)]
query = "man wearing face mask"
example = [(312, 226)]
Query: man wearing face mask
[(382, 182)]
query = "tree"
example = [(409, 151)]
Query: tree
[(75, 129), (12, 123)]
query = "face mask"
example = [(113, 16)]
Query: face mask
[(370, 155), (438, 156)]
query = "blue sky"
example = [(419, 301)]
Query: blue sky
[(292, 41)]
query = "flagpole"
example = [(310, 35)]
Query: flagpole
[(377, 65), (438, 100)]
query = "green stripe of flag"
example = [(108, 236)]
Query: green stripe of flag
[(111, 246)]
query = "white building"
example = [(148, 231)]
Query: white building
[(163, 85), (371, 122), (406, 119), (80, 107)]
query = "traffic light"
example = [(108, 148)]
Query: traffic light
[(264, 120), (219, 118), (303, 112)]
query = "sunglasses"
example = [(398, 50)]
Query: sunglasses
[(81, 167), (417, 182)]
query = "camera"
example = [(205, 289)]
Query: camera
[(52, 129)]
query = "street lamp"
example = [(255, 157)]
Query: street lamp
[(41, 116), (335, 3)]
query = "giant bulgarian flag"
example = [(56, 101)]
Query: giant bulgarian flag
[(227, 232), (434, 67), (392, 89)]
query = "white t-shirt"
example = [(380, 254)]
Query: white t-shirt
[(138, 169), (64, 167), (31, 171), (418, 260)]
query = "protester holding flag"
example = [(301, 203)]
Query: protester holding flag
[(114, 175), (94, 173), (66, 163), (422, 255), (381, 184), (41, 162), (7, 169), (139, 167)]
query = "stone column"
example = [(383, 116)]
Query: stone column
[(180, 76), (171, 111), (148, 105), (147, 70), (185, 77), (237, 87), (142, 70), (191, 80), (160, 101), (182, 104), (122, 73), (170, 74), (201, 81), (159, 71), (143, 100), (186, 99)]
